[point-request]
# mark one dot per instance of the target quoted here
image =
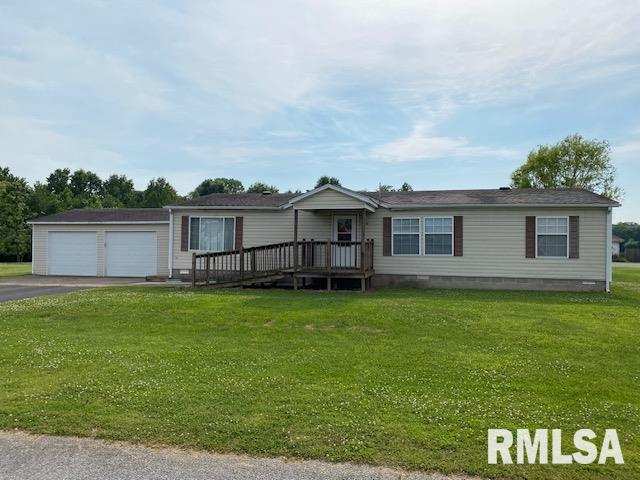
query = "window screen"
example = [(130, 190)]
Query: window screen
[(212, 234), (406, 236), (438, 236), (552, 235)]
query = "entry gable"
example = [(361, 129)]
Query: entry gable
[(332, 197)]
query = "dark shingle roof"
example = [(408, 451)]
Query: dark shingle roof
[(517, 196), (240, 200), (521, 196), (107, 215)]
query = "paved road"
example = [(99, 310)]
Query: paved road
[(15, 292), (626, 265), (34, 457)]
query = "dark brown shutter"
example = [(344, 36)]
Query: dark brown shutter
[(239, 232), (386, 236), (574, 237), (530, 237), (457, 236), (184, 234)]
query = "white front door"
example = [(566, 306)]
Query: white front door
[(344, 230)]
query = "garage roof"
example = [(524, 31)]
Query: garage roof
[(107, 215)]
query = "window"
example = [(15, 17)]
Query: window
[(406, 236), (438, 236), (212, 234), (552, 236), (345, 229)]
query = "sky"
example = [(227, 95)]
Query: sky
[(442, 94)]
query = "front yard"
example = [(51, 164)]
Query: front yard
[(15, 268), (398, 377)]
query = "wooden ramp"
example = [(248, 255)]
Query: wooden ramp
[(270, 263)]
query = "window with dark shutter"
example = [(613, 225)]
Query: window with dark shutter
[(386, 236), (239, 232), (457, 236), (574, 237), (184, 234), (530, 237)]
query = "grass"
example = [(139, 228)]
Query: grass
[(626, 274), (16, 268), (410, 378)]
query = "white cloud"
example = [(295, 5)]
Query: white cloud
[(44, 58), (269, 54), (33, 148), (422, 144), (630, 148), (176, 86)]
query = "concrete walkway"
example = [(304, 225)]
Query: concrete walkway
[(626, 264), (36, 457)]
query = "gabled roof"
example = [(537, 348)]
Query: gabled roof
[(511, 197), (362, 196), (425, 198), (107, 215)]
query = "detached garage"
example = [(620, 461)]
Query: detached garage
[(131, 242)]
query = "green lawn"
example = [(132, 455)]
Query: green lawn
[(397, 377), (626, 274), (16, 268)]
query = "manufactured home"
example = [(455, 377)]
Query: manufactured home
[(536, 239)]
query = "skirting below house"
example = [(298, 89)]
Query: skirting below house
[(487, 283)]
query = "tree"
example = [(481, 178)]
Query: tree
[(15, 234), (218, 185), (58, 180), (629, 232), (325, 179), (573, 162), (631, 243), (43, 201), (406, 188), (385, 188), (86, 184), (159, 193), (259, 187), (119, 192), (87, 189)]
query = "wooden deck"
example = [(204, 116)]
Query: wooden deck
[(270, 263)]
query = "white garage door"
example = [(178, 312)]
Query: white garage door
[(72, 253), (131, 254)]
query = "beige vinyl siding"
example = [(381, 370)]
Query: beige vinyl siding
[(494, 245), (494, 241), (260, 227), (330, 199), (41, 235)]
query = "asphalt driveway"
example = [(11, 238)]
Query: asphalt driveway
[(16, 292), (36, 457), (27, 286)]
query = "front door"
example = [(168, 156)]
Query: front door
[(344, 233)]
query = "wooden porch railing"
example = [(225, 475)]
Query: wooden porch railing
[(335, 256), (323, 257)]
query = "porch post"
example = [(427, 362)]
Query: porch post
[(295, 247)]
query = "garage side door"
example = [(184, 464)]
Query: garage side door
[(131, 254), (72, 253)]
